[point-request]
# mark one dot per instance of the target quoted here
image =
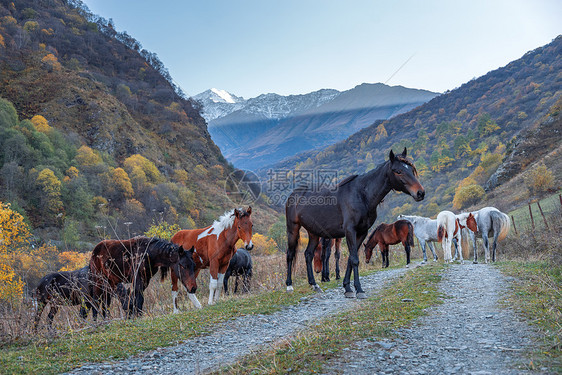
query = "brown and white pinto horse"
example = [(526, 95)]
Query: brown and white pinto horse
[(214, 247), (322, 257), (449, 228), (401, 231)]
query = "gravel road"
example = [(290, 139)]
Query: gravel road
[(468, 334), (239, 337)]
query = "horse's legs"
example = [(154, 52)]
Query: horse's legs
[(220, 284), (486, 245), (52, 312), (459, 248), (353, 242), (386, 253), (474, 247), (455, 242), (432, 248), (496, 234), (235, 284), (337, 253), (407, 249), (422, 243), (225, 282), (309, 256), (174, 279), (326, 252), (292, 242)]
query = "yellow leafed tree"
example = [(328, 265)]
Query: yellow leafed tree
[(14, 234)]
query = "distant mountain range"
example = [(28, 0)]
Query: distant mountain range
[(261, 131)]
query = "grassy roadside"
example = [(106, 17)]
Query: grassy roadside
[(377, 317), (121, 339), (537, 295)]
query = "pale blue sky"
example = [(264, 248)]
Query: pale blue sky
[(251, 47)]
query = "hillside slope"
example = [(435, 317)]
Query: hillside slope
[(462, 133), (107, 97)]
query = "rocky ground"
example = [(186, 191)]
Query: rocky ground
[(470, 333), (241, 336)]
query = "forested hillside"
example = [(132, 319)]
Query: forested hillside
[(458, 139), (93, 132)]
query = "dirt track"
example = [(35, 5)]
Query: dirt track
[(469, 334)]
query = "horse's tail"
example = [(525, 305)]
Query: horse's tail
[(504, 223), (163, 273), (440, 232), (410, 239)]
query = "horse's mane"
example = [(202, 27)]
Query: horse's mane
[(224, 222), (155, 244), (348, 179)]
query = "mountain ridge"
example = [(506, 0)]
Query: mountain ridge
[(271, 127)]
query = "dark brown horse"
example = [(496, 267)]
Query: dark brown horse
[(349, 210), (401, 231), (322, 257), (135, 261), (70, 288)]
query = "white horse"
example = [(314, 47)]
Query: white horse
[(425, 230), (491, 223)]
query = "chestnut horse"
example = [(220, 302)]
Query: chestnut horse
[(349, 210), (135, 261), (322, 257), (401, 231), (215, 245)]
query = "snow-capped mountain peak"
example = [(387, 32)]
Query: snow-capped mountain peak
[(223, 96)]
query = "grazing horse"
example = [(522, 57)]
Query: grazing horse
[(240, 265), (425, 230), (401, 231), (349, 210), (68, 288), (449, 229), (491, 223), (215, 245), (135, 261)]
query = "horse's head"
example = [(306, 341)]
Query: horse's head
[(471, 223), (185, 269), (404, 176), (243, 223), (369, 247)]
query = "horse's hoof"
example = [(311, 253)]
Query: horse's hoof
[(424, 262), (407, 266), (176, 311), (435, 260), (349, 294), (290, 289), (361, 295), (316, 288)]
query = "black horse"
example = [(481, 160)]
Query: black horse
[(348, 211), (68, 288), (240, 265)]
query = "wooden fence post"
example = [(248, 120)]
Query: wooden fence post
[(513, 221), (542, 214), (532, 220)]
